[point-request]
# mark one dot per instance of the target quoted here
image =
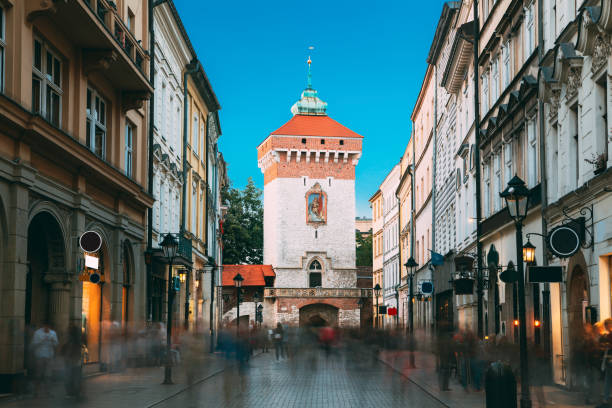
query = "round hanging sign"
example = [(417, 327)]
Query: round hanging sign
[(563, 241), (94, 278), (427, 287), (90, 241)]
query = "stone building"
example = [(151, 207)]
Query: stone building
[(73, 157), (309, 217), (405, 198), (390, 237), (574, 79)]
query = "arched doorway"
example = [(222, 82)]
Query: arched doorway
[(318, 314), (127, 298), (46, 266), (578, 299)]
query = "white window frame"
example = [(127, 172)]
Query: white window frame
[(529, 33), (195, 134), (532, 168), (50, 83), (497, 181), (194, 208), (130, 131), (508, 168), (507, 66), (485, 93), (495, 79), (202, 213), (97, 103), (203, 137)]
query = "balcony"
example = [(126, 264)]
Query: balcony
[(107, 45), (317, 292)]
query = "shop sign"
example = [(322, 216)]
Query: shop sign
[(90, 241), (563, 241), (545, 274)]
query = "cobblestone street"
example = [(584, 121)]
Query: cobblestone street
[(314, 381)]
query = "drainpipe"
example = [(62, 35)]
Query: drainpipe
[(433, 194), (190, 69), (546, 315), (479, 270), (152, 5), (412, 175)]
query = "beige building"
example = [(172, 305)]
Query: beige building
[(73, 156), (376, 203), (405, 216)]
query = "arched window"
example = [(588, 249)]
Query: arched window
[(314, 277)]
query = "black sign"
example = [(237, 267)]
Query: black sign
[(563, 241), (90, 241), (94, 277), (427, 287), (382, 310), (545, 274)]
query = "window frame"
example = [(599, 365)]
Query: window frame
[(2, 47), (195, 130), (93, 118), (130, 131), (47, 82)]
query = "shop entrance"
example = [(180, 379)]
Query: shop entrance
[(577, 302), (94, 303)]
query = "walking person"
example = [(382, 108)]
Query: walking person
[(71, 351), (44, 344), (278, 336), (606, 363)]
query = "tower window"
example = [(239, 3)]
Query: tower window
[(315, 274), (322, 141), (316, 234), (304, 141), (342, 143)]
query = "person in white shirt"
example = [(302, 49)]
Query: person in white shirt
[(44, 343)]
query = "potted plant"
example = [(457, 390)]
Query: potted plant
[(598, 161)]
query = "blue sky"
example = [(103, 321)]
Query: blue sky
[(368, 65)]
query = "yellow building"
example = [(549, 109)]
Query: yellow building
[(376, 203), (404, 194)]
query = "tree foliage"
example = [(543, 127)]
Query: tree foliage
[(243, 225), (364, 249)]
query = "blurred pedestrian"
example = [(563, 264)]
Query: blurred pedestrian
[(446, 356), (278, 336), (44, 344), (606, 363), (71, 352)]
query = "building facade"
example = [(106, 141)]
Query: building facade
[(74, 158), (376, 203), (309, 218), (390, 237)]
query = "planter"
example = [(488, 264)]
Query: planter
[(464, 286)]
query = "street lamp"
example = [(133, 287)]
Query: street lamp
[(260, 314), (238, 283), (170, 247), (377, 293), (529, 252), (255, 300), (410, 265), (516, 196)]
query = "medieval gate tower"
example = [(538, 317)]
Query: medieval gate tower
[(309, 217)]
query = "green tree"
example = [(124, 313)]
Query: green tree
[(243, 225), (364, 249)]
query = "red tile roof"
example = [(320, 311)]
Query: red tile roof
[(253, 274), (311, 125)]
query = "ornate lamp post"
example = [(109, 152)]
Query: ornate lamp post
[(238, 283), (517, 201), (260, 314), (377, 293), (170, 247), (411, 264)]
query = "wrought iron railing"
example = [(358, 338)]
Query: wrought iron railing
[(185, 247)]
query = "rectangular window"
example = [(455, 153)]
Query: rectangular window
[(506, 63), (202, 213), (601, 119), (2, 47), (129, 144), (195, 136), (314, 279), (131, 19), (96, 123), (497, 182), (203, 142), (574, 155), (194, 208), (485, 93), (494, 80), (532, 169), (529, 31), (508, 170), (46, 82)]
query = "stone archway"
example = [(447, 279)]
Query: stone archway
[(318, 314), (577, 299)]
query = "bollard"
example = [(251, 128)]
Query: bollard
[(500, 386)]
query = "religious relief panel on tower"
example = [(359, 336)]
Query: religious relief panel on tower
[(316, 206)]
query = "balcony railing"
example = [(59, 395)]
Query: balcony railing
[(106, 11), (185, 247), (317, 292)]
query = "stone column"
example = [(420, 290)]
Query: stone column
[(59, 304)]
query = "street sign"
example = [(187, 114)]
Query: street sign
[(90, 241), (563, 241), (94, 277), (382, 310), (545, 274)]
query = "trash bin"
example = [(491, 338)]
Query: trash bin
[(500, 386)]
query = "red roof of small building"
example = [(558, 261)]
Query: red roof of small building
[(314, 125), (253, 275)]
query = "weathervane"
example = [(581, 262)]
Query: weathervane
[(309, 86)]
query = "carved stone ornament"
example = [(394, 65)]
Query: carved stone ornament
[(554, 103), (134, 100), (98, 60), (573, 82), (601, 52), (37, 8)]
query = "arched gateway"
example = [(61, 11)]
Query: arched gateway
[(318, 315)]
